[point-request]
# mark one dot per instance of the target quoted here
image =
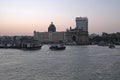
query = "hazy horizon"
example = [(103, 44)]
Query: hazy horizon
[(22, 17)]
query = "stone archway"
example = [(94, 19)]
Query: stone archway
[(74, 38)]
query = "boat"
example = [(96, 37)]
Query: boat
[(57, 47), (33, 46), (111, 46), (102, 43), (71, 43)]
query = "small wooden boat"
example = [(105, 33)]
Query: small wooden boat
[(57, 47)]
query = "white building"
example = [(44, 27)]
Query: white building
[(82, 23), (50, 36)]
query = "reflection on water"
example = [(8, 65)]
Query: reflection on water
[(74, 63)]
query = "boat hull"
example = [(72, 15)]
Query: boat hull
[(57, 48), (33, 48)]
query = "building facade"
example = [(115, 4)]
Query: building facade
[(79, 35), (50, 37)]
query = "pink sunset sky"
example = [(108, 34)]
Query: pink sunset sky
[(22, 17)]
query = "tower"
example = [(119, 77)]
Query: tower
[(82, 23), (79, 35)]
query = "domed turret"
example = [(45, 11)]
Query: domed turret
[(52, 28)]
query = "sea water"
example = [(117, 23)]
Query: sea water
[(74, 63)]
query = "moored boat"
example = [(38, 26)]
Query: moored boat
[(111, 45), (102, 43), (33, 46), (57, 47)]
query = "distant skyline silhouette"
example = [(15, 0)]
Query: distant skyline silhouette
[(22, 17)]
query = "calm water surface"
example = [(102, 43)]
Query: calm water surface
[(74, 63)]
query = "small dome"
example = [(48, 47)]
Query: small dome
[(52, 28)]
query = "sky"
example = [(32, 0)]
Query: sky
[(22, 17)]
